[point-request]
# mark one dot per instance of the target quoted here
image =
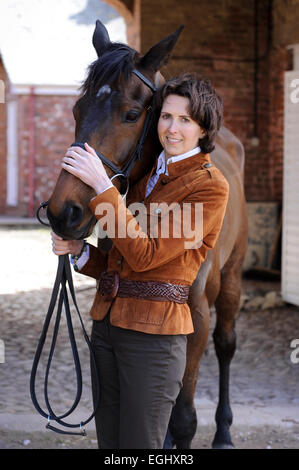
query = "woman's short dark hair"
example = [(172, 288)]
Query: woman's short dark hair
[(205, 104)]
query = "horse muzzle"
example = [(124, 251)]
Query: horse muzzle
[(71, 223)]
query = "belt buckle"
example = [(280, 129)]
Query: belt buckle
[(108, 285)]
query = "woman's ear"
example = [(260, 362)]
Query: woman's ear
[(202, 133), (202, 140)]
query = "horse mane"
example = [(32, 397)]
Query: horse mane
[(116, 62)]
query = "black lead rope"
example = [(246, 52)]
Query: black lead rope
[(63, 277)]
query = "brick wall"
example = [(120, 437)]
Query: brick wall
[(53, 133)]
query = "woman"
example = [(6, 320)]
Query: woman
[(140, 312)]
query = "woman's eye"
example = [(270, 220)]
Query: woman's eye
[(131, 116), (165, 116), (184, 119)]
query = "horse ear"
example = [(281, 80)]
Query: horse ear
[(100, 38), (159, 54)]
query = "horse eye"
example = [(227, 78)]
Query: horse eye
[(131, 116)]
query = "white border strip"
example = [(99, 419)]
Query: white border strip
[(12, 154), (45, 90)]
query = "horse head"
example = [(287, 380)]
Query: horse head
[(110, 115)]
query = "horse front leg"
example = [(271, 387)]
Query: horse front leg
[(225, 345), (183, 421), (224, 335)]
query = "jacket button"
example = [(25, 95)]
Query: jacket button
[(207, 165), (164, 181), (118, 261)]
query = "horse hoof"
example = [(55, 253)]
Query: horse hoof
[(223, 446)]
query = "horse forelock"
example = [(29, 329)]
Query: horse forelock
[(114, 66)]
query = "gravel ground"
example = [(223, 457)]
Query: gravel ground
[(264, 381)]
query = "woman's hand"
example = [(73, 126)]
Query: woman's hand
[(65, 247), (86, 165)]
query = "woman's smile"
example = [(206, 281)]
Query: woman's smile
[(171, 140)]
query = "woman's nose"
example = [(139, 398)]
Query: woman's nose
[(173, 126)]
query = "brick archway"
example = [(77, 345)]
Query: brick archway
[(130, 11)]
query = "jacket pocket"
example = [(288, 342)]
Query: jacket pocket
[(143, 311)]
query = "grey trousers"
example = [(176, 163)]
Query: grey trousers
[(140, 378)]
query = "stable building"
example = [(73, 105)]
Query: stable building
[(250, 52)]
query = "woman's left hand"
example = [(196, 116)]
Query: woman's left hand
[(86, 165)]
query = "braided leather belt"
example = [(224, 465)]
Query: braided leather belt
[(110, 286)]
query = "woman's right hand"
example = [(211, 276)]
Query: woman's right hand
[(64, 247)]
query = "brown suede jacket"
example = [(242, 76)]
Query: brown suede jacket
[(159, 258)]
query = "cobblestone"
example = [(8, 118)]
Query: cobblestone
[(262, 374)]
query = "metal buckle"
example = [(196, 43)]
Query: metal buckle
[(120, 175), (82, 430)]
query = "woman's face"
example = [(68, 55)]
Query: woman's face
[(177, 131)]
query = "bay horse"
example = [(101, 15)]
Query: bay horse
[(110, 116)]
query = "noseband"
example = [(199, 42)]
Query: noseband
[(136, 155)]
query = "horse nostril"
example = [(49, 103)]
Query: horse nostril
[(73, 214)]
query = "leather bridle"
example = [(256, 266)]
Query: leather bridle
[(136, 155), (64, 277)]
